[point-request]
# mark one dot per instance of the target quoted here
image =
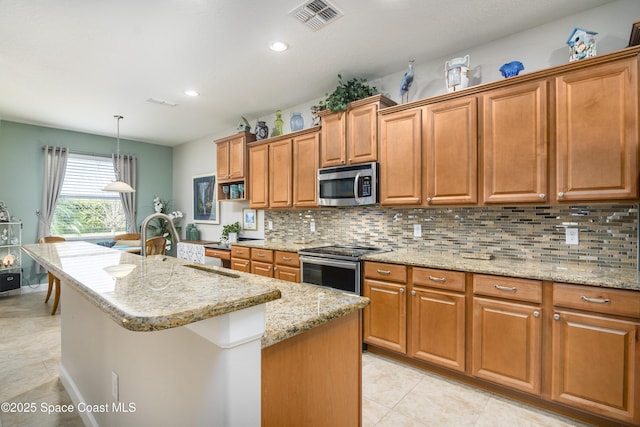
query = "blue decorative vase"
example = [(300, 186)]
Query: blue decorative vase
[(297, 122)]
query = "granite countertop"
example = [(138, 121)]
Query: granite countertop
[(276, 245), (580, 274), (162, 292)]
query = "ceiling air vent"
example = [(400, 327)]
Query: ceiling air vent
[(316, 14)]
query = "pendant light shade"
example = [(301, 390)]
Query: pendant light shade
[(118, 185)]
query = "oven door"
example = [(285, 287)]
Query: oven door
[(348, 185), (331, 273)]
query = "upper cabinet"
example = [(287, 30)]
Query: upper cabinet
[(597, 132), (450, 154), (231, 157), (351, 136), (259, 178), (514, 138), (306, 161)]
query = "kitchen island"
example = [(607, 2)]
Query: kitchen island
[(162, 341)]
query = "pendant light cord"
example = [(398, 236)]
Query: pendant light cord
[(118, 118)]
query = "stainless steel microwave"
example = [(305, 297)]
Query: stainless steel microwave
[(352, 185)]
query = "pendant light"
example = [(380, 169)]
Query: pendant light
[(118, 185)]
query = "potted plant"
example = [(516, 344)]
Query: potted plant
[(230, 232), (346, 92)]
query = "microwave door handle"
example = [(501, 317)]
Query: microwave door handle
[(356, 182)]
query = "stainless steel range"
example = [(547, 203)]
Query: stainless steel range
[(334, 266)]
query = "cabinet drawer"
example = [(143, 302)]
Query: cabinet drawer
[(390, 272), (445, 279), (503, 287), (287, 258), (262, 255), (217, 253), (600, 300), (240, 252)]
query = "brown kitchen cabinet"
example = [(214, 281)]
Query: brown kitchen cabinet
[(438, 317), (507, 332), (280, 174), (351, 136), (450, 154), (306, 161), (401, 158), (231, 158), (221, 254), (385, 319), (262, 262), (287, 266), (241, 258), (514, 144), (596, 350), (597, 132), (259, 178)]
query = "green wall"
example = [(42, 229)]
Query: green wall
[(21, 169)]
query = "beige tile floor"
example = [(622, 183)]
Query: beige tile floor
[(394, 395)]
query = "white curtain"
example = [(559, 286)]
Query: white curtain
[(55, 166), (127, 167)]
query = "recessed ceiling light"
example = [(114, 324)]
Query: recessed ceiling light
[(279, 46), (190, 92)]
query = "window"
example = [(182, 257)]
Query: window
[(83, 209)]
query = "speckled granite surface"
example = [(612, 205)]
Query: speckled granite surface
[(581, 274), (276, 245), (164, 292)]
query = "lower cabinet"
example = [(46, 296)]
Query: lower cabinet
[(385, 323), (241, 259), (595, 356), (266, 262), (262, 262), (287, 266)]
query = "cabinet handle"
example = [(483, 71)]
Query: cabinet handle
[(417, 199), (286, 258), (260, 255), (429, 199), (385, 272), (438, 279), (542, 196), (556, 316), (560, 194), (269, 268), (401, 290), (536, 314), (596, 300), (505, 288), (275, 268), (413, 293)]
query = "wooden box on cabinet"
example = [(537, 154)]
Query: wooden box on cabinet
[(596, 350), (351, 136), (385, 319)]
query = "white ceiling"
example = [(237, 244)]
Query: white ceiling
[(73, 64)]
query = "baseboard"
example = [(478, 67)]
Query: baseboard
[(76, 397)]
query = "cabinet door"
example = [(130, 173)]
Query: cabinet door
[(306, 161), (259, 177), (362, 136), (597, 132), (385, 318), (222, 160), (333, 147), (280, 173), (514, 139), (451, 152), (262, 268), (506, 344), (241, 264), (595, 363), (237, 149), (400, 158), (290, 274), (438, 328)]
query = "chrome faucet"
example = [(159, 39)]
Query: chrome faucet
[(143, 232)]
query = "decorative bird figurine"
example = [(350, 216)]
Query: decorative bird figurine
[(405, 84)]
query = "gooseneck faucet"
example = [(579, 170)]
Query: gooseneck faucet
[(143, 232)]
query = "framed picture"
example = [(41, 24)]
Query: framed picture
[(205, 200), (249, 219)]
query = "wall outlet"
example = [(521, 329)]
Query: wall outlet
[(417, 230), (572, 236), (114, 386), (270, 225), (312, 226)]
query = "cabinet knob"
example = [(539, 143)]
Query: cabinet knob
[(542, 196), (556, 316), (560, 194), (413, 293), (429, 199), (401, 290), (536, 314)]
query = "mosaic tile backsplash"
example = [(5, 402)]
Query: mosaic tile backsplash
[(608, 233)]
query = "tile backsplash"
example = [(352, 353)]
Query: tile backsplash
[(608, 233)]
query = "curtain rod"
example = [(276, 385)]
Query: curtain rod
[(84, 153)]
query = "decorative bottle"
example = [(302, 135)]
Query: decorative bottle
[(297, 122), (262, 131), (277, 124)]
